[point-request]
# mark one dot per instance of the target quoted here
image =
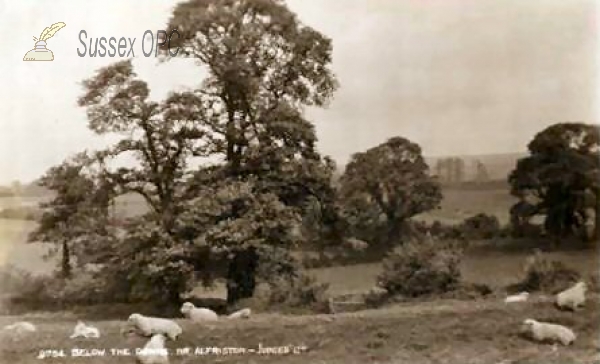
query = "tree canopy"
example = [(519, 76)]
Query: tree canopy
[(559, 178), (264, 66), (386, 185)]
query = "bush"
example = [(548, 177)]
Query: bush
[(421, 268), (301, 293), (469, 292), (12, 279), (23, 291), (481, 226), (376, 297), (543, 274)]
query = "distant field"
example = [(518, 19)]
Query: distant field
[(18, 201), (496, 269), (460, 203), (15, 250)]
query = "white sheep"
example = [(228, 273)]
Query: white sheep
[(154, 352), (543, 331), (81, 329), (21, 327), (243, 313), (198, 314), (573, 297), (149, 326), (521, 297)]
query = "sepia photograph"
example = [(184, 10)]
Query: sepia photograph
[(300, 182)]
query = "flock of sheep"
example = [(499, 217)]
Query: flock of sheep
[(158, 329), (572, 298), (161, 329)]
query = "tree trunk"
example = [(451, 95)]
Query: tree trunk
[(395, 229), (173, 296), (66, 260), (241, 275), (597, 218)]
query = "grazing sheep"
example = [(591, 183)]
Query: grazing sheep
[(573, 297), (542, 331), (148, 326), (521, 297), (243, 313), (81, 329), (154, 352), (21, 327), (197, 314)]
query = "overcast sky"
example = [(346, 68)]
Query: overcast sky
[(457, 77)]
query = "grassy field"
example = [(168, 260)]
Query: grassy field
[(494, 268), (462, 202), (14, 249), (445, 331)]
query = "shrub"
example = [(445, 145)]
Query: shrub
[(481, 226), (376, 297), (420, 268), (12, 279), (543, 274), (300, 293), (526, 230), (26, 292), (469, 292)]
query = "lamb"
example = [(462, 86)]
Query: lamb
[(149, 326), (154, 352), (542, 331), (81, 329), (573, 297), (243, 313), (521, 297), (21, 327), (198, 314)]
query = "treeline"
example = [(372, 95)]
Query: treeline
[(454, 170)]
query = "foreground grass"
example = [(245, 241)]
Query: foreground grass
[(444, 331)]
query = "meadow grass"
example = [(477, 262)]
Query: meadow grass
[(443, 331)]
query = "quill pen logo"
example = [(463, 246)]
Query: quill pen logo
[(40, 52)]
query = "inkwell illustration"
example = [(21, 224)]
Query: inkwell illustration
[(40, 52)]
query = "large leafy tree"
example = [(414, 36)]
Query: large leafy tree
[(263, 67), (559, 178), (386, 185), (162, 138), (238, 223)]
